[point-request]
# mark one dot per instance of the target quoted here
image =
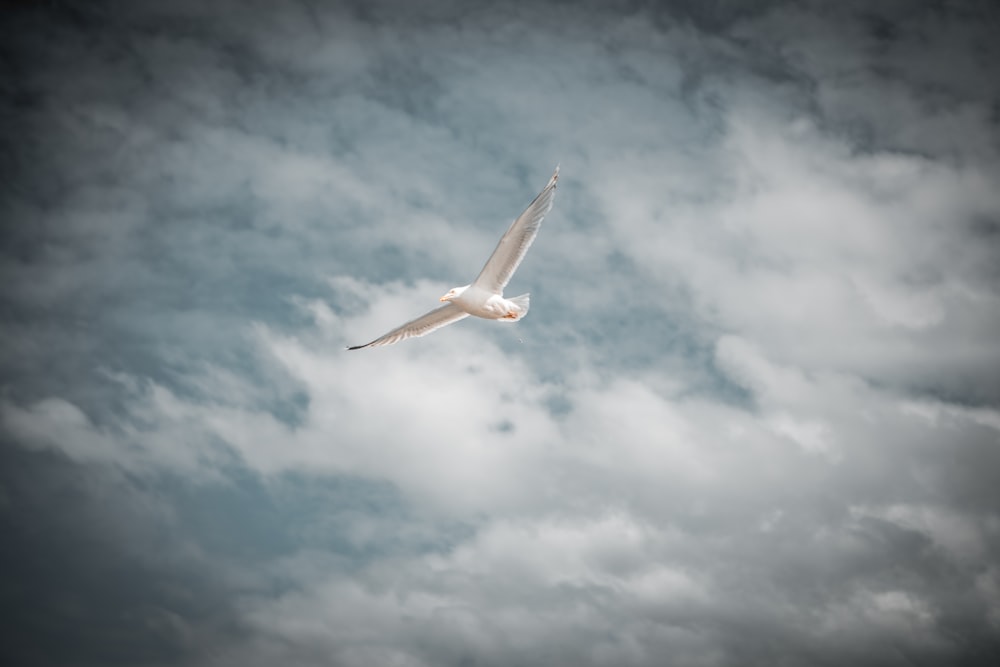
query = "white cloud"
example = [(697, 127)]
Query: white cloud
[(753, 407)]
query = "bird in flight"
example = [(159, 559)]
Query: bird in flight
[(484, 296)]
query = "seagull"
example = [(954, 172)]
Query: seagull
[(484, 296)]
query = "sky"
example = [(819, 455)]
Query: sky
[(753, 417)]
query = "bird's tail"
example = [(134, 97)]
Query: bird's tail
[(522, 303)]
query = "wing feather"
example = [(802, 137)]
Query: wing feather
[(516, 241), (421, 326)]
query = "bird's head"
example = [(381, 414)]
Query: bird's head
[(453, 293)]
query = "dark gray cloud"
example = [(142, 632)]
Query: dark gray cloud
[(752, 419)]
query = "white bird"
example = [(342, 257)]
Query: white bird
[(484, 296)]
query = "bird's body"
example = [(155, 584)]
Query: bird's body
[(484, 296), (483, 303)]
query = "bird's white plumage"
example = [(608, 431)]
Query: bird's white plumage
[(515, 242), (484, 297), (421, 326)]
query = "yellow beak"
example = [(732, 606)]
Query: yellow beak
[(444, 298)]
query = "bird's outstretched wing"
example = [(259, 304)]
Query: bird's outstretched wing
[(515, 243), (421, 326)]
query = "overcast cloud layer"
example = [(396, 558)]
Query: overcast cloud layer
[(753, 417)]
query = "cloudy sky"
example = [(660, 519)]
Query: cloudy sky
[(753, 417)]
